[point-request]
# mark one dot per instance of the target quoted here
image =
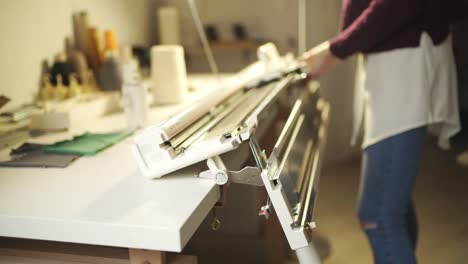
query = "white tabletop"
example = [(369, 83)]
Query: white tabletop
[(103, 200)]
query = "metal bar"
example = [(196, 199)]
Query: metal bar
[(305, 201), (310, 188), (199, 124), (305, 163), (307, 173), (288, 127), (184, 139), (201, 32), (268, 99), (295, 132), (227, 109), (302, 26), (257, 153), (304, 188)]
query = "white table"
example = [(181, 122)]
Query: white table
[(103, 200)]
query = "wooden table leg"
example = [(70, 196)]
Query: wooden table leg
[(140, 256)]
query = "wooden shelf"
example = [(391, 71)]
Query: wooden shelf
[(222, 46)]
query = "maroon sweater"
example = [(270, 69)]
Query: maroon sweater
[(381, 25)]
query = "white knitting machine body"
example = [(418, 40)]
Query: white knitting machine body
[(233, 116)]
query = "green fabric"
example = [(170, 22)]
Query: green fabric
[(88, 144)]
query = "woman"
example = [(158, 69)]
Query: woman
[(406, 84)]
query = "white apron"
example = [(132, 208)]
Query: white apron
[(407, 88)]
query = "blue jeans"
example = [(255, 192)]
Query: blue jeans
[(385, 208)]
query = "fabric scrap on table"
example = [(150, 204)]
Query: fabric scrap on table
[(88, 144)]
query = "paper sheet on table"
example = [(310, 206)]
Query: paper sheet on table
[(40, 159)]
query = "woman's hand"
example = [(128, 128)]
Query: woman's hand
[(319, 60)]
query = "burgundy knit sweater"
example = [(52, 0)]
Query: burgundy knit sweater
[(381, 25)]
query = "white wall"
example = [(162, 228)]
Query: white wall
[(34, 30), (338, 86)]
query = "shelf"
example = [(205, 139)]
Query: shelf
[(222, 46)]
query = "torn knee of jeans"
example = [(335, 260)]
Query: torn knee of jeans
[(368, 225)]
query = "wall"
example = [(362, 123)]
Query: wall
[(338, 86), (33, 30)]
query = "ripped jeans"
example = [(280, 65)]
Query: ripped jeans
[(385, 208)]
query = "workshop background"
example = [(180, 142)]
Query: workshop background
[(39, 27)]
